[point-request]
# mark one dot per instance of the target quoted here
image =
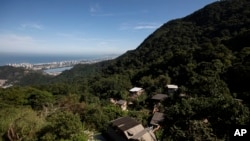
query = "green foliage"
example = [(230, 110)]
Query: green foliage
[(18, 96), (204, 118), (142, 116), (20, 124), (63, 126), (98, 117), (114, 86), (39, 99)]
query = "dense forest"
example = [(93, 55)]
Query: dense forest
[(207, 54)]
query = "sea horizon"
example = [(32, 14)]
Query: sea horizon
[(6, 59)]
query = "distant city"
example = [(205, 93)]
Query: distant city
[(63, 65)]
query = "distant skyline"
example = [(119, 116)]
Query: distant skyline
[(79, 27)]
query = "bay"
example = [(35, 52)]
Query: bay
[(56, 70)]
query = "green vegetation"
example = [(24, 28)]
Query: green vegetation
[(207, 54)]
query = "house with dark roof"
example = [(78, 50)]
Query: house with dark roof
[(157, 121), (157, 118), (157, 100), (128, 129), (159, 97)]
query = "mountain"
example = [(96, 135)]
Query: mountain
[(187, 51), (207, 43), (206, 53)]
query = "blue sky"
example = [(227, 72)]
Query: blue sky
[(81, 27)]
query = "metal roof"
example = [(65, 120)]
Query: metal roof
[(160, 97), (125, 123), (172, 86), (157, 118), (135, 89), (121, 102)]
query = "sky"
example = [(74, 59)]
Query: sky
[(78, 27)]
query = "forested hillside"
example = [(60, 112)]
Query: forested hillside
[(207, 54), (211, 42)]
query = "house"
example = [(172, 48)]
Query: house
[(157, 118), (157, 121), (136, 91), (128, 129), (157, 101), (159, 97), (122, 104), (171, 88)]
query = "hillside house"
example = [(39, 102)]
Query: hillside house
[(171, 88), (121, 103), (157, 118), (135, 92), (159, 97), (128, 129), (157, 101)]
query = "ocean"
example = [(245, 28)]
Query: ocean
[(36, 59)]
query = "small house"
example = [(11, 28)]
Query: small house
[(136, 91), (157, 121), (157, 118), (157, 101), (159, 97), (122, 104), (127, 128), (171, 88)]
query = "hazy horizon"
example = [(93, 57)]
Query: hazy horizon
[(6, 59)]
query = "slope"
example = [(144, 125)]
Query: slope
[(192, 49)]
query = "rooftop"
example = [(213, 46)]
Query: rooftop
[(171, 86), (121, 102), (135, 89), (124, 123), (159, 97), (157, 118)]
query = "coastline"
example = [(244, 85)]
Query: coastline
[(56, 68), (7, 58)]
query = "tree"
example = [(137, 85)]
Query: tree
[(18, 124), (63, 125), (40, 99)]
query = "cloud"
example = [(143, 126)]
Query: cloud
[(12, 40), (31, 26), (146, 26), (95, 8), (18, 43), (139, 26)]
